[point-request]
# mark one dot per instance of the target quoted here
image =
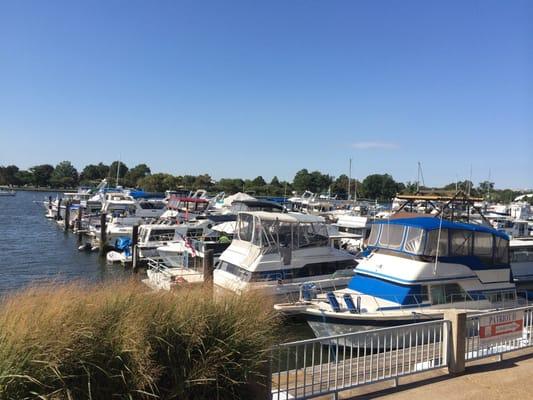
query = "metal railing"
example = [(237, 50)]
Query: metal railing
[(477, 346), (328, 365)]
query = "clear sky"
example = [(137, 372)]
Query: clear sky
[(247, 88)]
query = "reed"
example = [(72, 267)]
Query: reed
[(117, 340)]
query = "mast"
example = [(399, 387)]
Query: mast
[(349, 178)]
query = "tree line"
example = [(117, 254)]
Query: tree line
[(376, 186)]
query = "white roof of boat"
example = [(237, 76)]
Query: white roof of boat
[(523, 242), (291, 218)]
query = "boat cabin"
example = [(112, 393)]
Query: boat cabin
[(430, 237), (188, 204), (277, 230)]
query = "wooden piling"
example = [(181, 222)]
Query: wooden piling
[(78, 223), (103, 232), (49, 203), (67, 215), (134, 250), (58, 214), (209, 265)]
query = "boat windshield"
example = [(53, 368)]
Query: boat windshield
[(274, 233)]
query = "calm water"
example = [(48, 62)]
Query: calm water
[(35, 249)]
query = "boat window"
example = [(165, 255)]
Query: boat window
[(391, 236), (245, 227), (501, 251), (431, 243), (483, 246), (414, 240), (447, 293), (194, 232), (374, 234), (157, 235), (311, 235), (522, 254), (460, 242), (239, 272)]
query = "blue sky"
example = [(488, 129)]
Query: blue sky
[(247, 88)]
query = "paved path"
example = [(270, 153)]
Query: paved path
[(484, 380)]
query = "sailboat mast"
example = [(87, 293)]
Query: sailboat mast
[(349, 178)]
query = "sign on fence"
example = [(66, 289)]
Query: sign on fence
[(501, 327)]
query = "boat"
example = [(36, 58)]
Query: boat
[(277, 252), (5, 192), (189, 270), (521, 256), (415, 269)]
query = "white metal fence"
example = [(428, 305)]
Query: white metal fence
[(512, 335), (315, 367)]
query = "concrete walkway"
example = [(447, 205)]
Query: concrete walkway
[(485, 380)]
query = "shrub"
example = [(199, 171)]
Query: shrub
[(118, 340)]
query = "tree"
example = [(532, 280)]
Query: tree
[(41, 174), (93, 172), (486, 186), (24, 178), (230, 186), (203, 182), (8, 175), (122, 171), (159, 182), (134, 175), (380, 187), (64, 175), (302, 181)]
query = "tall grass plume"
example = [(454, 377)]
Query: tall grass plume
[(117, 340)]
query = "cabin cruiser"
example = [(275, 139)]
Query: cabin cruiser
[(156, 235), (416, 268), (277, 252), (355, 225), (521, 255)]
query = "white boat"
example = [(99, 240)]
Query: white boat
[(5, 192), (355, 225), (277, 252), (163, 277), (415, 270), (521, 255), (156, 235)]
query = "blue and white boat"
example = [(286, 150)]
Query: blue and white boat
[(415, 269)]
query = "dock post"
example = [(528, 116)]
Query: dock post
[(103, 232), (67, 215), (78, 223), (456, 341), (58, 214), (134, 250), (50, 204), (209, 263)]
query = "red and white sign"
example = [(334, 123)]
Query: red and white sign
[(497, 328)]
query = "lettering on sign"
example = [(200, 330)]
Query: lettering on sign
[(502, 327)]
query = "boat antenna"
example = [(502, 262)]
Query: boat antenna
[(438, 244), (118, 172)]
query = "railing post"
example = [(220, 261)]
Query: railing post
[(456, 341)]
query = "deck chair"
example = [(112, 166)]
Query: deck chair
[(333, 302)]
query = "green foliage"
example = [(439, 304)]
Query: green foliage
[(159, 182), (41, 174), (24, 178), (94, 173), (121, 341), (8, 175), (315, 181), (134, 175), (122, 171), (380, 187), (229, 185), (64, 175)]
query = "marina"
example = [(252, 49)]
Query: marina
[(283, 200)]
